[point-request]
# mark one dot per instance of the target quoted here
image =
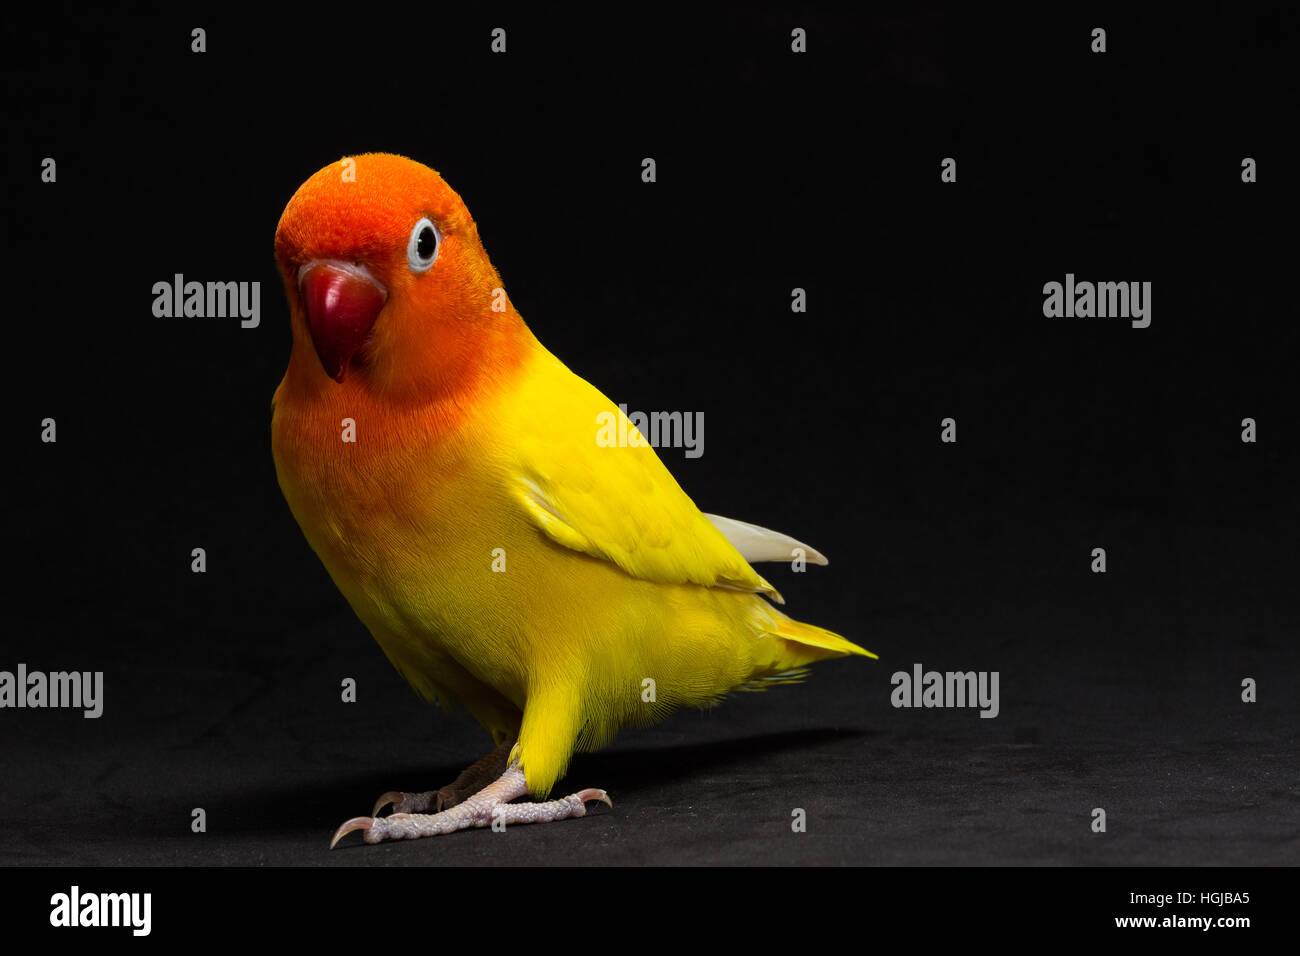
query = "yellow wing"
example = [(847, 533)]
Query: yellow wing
[(616, 503)]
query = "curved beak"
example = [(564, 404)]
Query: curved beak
[(342, 301)]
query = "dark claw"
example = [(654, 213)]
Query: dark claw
[(392, 796), (356, 823)]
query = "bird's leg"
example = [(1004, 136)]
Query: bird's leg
[(471, 780), (489, 806)]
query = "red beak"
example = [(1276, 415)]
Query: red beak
[(342, 300)]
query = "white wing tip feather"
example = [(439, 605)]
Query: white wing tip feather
[(763, 544)]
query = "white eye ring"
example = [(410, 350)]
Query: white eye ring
[(420, 242)]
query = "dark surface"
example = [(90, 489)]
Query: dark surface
[(1186, 773), (1119, 691)]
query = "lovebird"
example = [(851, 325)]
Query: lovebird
[(451, 475)]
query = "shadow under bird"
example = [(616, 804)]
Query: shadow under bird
[(503, 558)]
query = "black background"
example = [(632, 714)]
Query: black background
[(775, 170)]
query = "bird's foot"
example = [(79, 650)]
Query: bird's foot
[(491, 806), (473, 778)]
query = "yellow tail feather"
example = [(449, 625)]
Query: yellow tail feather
[(815, 639)]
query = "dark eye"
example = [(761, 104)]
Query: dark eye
[(427, 242), (422, 249)]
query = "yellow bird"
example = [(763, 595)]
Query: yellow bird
[(455, 479)]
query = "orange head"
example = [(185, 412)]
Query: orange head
[(388, 283)]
